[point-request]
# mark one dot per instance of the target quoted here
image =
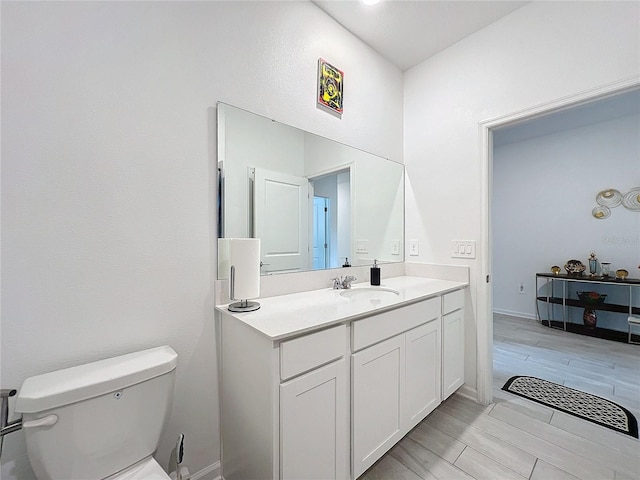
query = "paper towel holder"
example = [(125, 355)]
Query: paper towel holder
[(243, 305)]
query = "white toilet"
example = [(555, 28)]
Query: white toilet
[(101, 420)]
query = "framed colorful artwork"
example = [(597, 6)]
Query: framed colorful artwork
[(330, 86)]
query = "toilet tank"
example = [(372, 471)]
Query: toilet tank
[(93, 420)]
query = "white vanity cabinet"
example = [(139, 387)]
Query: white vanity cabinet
[(317, 385), (452, 342), (395, 381), (314, 428), (284, 405), (377, 401), (423, 367), (313, 425)]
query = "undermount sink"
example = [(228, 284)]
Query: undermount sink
[(369, 293)]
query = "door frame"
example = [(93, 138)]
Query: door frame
[(484, 366), (343, 168), (327, 229)]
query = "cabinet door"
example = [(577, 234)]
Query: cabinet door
[(313, 425), (452, 352), (376, 406), (423, 372)]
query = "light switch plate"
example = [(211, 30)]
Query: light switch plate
[(414, 248), (463, 248), (362, 247)]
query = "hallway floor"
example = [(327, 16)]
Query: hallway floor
[(517, 439)]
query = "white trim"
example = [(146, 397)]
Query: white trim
[(484, 293), (529, 316), (468, 392), (484, 290), (211, 472), (563, 103)]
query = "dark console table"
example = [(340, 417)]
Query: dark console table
[(560, 289)]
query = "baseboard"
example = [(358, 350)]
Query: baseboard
[(469, 392), (211, 472), (530, 316)]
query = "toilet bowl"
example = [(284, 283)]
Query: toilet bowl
[(101, 420)]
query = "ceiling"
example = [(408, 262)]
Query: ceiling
[(407, 32)]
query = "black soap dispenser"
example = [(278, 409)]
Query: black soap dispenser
[(375, 274)]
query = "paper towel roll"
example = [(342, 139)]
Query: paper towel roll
[(244, 255)]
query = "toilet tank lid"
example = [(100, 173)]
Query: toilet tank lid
[(63, 387)]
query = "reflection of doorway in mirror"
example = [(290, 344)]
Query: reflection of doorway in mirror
[(321, 232), (335, 187)]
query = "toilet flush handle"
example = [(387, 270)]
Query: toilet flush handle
[(47, 421)]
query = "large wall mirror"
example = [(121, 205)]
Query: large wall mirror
[(312, 201)]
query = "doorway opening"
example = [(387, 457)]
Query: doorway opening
[(485, 289), (331, 225)]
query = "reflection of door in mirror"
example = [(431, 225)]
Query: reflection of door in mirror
[(280, 219)]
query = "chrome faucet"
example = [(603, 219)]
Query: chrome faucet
[(343, 283), (346, 283)]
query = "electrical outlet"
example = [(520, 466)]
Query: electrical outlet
[(414, 248), (395, 247)]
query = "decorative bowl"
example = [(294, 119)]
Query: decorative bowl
[(575, 267), (622, 274), (592, 298), (555, 269)]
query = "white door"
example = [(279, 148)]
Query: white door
[(378, 389), (313, 425), (423, 371), (452, 352), (281, 220)]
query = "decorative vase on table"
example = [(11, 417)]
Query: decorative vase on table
[(593, 264), (589, 316)]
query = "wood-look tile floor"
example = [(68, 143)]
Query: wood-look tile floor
[(514, 438)]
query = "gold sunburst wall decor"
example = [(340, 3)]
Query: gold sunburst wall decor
[(330, 87)]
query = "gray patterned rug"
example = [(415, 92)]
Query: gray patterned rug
[(584, 405)]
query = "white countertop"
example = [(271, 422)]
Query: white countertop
[(283, 316)]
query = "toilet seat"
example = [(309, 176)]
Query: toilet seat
[(147, 469)]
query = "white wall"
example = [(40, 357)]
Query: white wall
[(544, 190), (540, 53), (344, 218), (108, 175)]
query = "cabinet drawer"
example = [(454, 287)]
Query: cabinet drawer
[(388, 324), (452, 301), (305, 353)]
